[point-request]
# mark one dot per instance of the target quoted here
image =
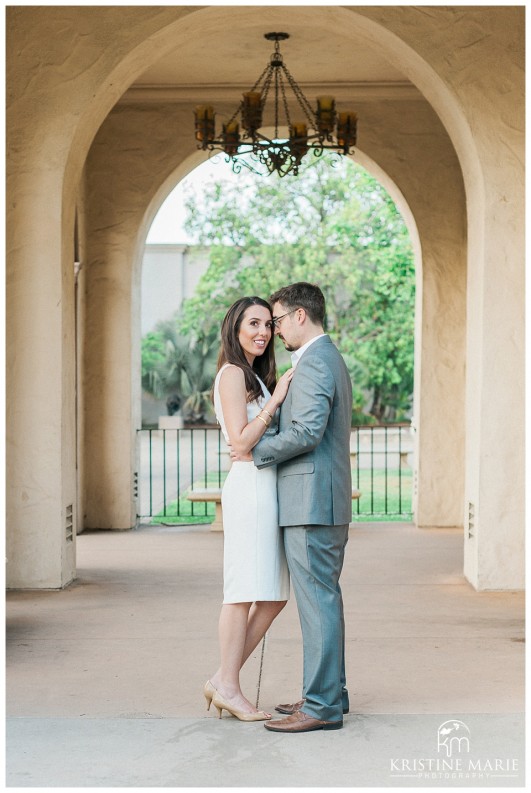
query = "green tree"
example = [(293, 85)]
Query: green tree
[(181, 366), (336, 227), (152, 358)]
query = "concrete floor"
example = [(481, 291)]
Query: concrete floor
[(104, 679)]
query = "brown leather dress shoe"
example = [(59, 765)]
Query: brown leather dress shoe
[(289, 709), (301, 722)]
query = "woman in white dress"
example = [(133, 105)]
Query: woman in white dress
[(255, 573)]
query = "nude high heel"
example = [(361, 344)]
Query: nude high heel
[(209, 692), (222, 705)]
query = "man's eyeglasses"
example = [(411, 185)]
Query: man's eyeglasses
[(275, 321)]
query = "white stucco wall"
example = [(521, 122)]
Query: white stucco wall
[(170, 274), (162, 283)]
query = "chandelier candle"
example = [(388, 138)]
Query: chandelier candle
[(299, 130), (298, 140), (231, 137), (204, 111), (346, 130), (326, 115), (252, 111), (205, 125)]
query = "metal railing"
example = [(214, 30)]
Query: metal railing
[(382, 470), (173, 462)]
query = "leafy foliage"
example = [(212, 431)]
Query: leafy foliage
[(184, 367), (334, 226), (152, 356)]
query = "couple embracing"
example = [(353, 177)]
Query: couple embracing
[(286, 500)]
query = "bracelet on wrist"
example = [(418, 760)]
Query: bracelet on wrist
[(263, 419), (265, 410)]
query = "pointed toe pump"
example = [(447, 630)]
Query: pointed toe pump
[(222, 705)]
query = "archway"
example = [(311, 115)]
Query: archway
[(437, 505), (169, 255), (164, 162), (80, 106)]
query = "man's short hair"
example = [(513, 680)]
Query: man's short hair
[(302, 295)]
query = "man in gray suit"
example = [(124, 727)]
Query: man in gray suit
[(312, 452)]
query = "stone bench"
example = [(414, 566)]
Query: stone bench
[(214, 495), (210, 495)]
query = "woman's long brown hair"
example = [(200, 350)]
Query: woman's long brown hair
[(232, 352)]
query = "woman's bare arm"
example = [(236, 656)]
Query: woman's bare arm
[(243, 434)]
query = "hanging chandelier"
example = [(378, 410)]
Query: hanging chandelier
[(245, 145)]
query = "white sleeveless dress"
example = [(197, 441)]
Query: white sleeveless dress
[(254, 562)]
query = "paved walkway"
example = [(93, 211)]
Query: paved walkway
[(105, 678)]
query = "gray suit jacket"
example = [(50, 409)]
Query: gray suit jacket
[(312, 446)]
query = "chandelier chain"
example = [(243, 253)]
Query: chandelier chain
[(277, 73), (303, 102), (257, 83), (266, 87), (236, 113), (284, 99)]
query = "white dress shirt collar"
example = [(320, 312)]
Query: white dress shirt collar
[(297, 354)]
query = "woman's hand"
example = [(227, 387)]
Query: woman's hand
[(239, 458), (282, 387)]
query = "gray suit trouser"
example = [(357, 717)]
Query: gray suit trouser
[(315, 558)]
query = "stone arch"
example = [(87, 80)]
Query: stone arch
[(443, 97), (485, 47), (336, 22), (166, 161)]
